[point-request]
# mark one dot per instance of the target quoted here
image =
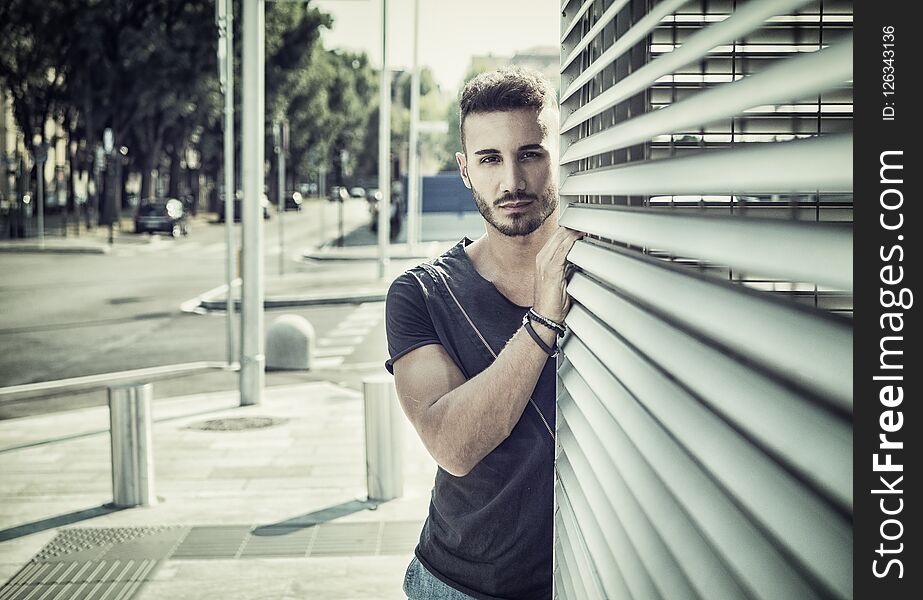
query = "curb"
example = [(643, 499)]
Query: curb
[(366, 257), (35, 249), (275, 303), (328, 252)]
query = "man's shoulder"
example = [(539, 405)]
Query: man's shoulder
[(418, 276)]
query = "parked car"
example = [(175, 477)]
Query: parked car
[(338, 193), (264, 202), (293, 201), (374, 198), (162, 214), (357, 192)]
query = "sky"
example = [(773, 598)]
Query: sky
[(451, 32)]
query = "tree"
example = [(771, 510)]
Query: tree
[(147, 70)]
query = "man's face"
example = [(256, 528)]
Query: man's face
[(510, 167)]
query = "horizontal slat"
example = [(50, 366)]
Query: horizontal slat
[(654, 459), (809, 439), (624, 43), (570, 570), (608, 565), (820, 164), (560, 590), (570, 577), (797, 519), (791, 340), (743, 21), (576, 19), (570, 536), (787, 81), (637, 494), (638, 541), (589, 36), (795, 251)]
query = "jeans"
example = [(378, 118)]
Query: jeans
[(420, 584)]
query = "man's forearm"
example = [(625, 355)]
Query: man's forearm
[(471, 420)]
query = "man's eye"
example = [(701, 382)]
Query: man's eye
[(530, 155), (489, 160)]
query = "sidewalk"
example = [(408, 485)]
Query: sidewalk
[(258, 512), (88, 241)]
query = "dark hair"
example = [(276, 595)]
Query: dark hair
[(505, 89)]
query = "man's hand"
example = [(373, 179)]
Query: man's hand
[(549, 297)]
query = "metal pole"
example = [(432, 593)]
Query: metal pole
[(384, 149), (132, 448), (40, 184), (253, 360), (110, 199), (281, 165), (383, 439), (322, 192), (340, 234), (413, 175), (226, 31)]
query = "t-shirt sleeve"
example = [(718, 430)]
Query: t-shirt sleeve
[(407, 320)]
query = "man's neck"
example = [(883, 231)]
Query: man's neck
[(498, 256)]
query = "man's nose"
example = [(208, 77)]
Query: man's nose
[(513, 180)]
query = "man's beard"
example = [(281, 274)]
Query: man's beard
[(518, 223)]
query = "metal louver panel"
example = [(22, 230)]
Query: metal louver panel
[(823, 164), (783, 249), (576, 18), (793, 79), (750, 16), (623, 44), (704, 435), (604, 20), (813, 352), (764, 409)]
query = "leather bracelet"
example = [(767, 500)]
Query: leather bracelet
[(538, 340), (558, 328)]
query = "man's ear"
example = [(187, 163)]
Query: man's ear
[(462, 161)]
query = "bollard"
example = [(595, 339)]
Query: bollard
[(132, 449), (383, 439), (290, 343)]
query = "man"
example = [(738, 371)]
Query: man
[(475, 379)]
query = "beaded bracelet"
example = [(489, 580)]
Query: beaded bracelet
[(552, 352), (558, 328)]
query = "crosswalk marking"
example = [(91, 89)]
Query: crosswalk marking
[(333, 351), (341, 342), (328, 362), (359, 331), (349, 341)]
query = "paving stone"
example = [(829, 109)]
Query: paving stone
[(284, 474)]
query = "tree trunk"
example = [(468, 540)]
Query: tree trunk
[(174, 172), (147, 166), (71, 155)]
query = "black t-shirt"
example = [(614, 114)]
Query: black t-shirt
[(489, 533)]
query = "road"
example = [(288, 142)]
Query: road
[(73, 315)]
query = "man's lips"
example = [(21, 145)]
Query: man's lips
[(516, 204)]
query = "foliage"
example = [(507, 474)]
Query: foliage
[(148, 70)]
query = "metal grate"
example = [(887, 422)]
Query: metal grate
[(83, 580), (90, 563), (73, 544)]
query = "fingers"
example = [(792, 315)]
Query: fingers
[(566, 238)]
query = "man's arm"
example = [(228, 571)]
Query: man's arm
[(460, 421)]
